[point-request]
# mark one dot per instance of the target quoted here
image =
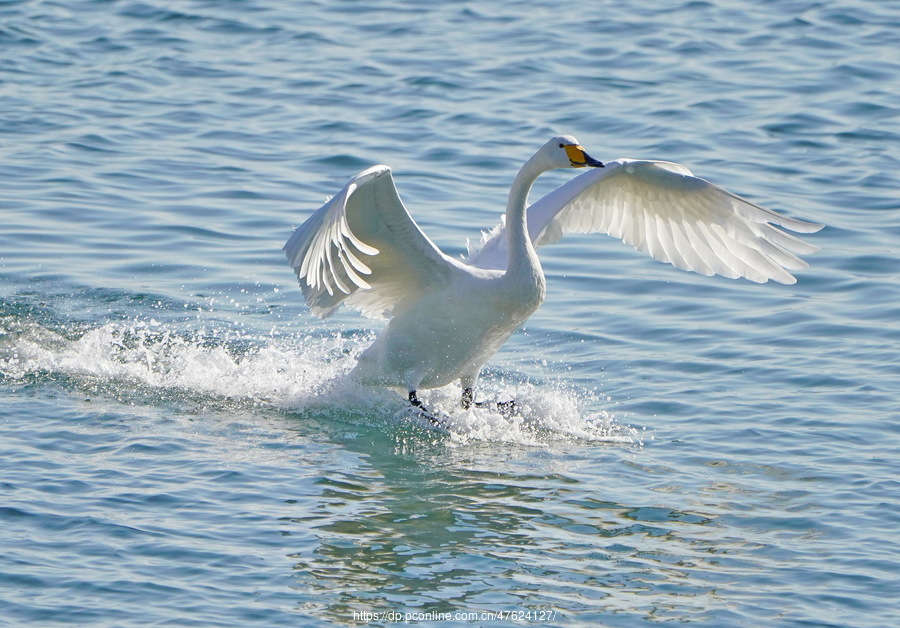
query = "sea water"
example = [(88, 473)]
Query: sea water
[(179, 442)]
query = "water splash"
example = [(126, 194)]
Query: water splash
[(545, 412), (222, 366)]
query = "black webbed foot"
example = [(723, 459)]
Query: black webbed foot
[(422, 411), (508, 408), (505, 408)]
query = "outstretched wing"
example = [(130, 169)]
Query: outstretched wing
[(363, 248), (661, 208)]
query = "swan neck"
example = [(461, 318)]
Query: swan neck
[(522, 255)]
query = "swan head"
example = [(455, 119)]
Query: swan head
[(564, 151)]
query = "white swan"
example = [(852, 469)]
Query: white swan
[(448, 317)]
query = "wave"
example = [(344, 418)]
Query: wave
[(222, 365)]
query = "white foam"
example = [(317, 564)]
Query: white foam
[(545, 412), (297, 373)]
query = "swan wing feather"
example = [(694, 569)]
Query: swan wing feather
[(363, 249), (661, 208)]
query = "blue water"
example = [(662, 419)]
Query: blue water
[(178, 446)]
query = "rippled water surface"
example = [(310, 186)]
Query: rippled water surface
[(179, 444)]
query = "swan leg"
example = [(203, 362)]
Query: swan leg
[(468, 398)]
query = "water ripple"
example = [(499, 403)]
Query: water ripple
[(181, 446)]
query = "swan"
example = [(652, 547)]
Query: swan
[(447, 317)]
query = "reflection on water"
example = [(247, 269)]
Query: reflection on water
[(449, 537)]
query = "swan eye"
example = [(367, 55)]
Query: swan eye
[(561, 145)]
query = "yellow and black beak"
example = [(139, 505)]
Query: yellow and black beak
[(579, 159)]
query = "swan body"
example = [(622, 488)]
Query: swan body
[(448, 317)]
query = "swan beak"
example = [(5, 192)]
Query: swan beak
[(579, 158)]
